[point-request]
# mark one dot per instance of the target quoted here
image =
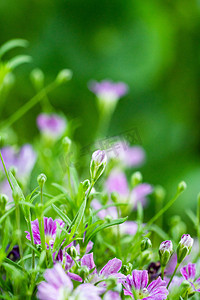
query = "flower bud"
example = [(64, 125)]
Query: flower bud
[(3, 202), (165, 251), (84, 272), (159, 193), (182, 186), (111, 282), (64, 76), (98, 164), (86, 184), (136, 178), (66, 144), (37, 78), (41, 179), (126, 269), (145, 244), (184, 247), (114, 197), (72, 252)]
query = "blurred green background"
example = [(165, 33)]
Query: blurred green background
[(153, 46)]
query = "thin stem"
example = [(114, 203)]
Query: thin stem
[(6, 172), (162, 272), (164, 209), (17, 213), (32, 240), (28, 105), (173, 275)]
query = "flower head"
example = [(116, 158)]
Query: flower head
[(139, 194), (184, 247), (108, 91), (189, 274), (98, 164), (58, 286), (50, 228), (156, 290), (51, 125), (165, 251)]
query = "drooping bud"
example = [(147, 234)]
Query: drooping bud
[(165, 252), (64, 76), (41, 179), (184, 247), (98, 164), (136, 178), (145, 244), (182, 186), (66, 144)]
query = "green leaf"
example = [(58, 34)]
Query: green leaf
[(78, 217), (13, 264), (103, 226), (159, 232), (12, 44), (63, 216)]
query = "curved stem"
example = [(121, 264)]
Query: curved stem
[(173, 275)]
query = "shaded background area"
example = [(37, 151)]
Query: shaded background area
[(153, 46)]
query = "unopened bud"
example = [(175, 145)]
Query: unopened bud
[(126, 269), (3, 202), (72, 252), (184, 247), (66, 143), (136, 178), (41, 179), (84, 272), (111, 282), (165, 251), (98, 164), (114, 197), (64, 76), (159, 192), (37, 78), (182, 186), (86, 185), (145, 244)]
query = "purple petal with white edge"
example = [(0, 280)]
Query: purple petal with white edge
[(113, 266), (110, 295), (88, 261)]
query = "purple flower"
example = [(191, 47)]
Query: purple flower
[(110, 269), (165, 251), (50, 228), (98, 164), (184, 247), (23, 160), (110, 295), (51, 125), (117, 182), (14, 253), (189, 273), (139, 194), (58, 286), (156, 290), (107, 90), (110, 211)]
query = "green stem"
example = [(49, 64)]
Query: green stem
[(173, 275), (163, 210), (17, 213), (162, 272), (28, 105), (6, 172), (32, 240)]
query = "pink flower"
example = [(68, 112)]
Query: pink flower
[(51, 125), (50, 228), (156, 290), (189, 273), (107, 90), (58, 286)]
